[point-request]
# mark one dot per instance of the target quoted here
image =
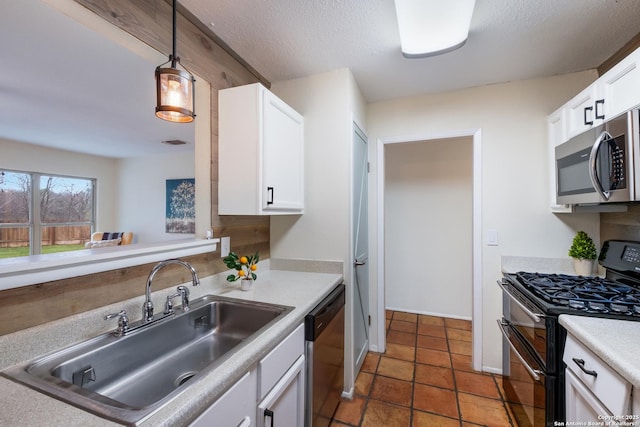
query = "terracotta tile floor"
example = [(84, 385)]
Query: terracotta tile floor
[(424, 379)]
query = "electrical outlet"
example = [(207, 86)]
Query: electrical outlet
[(225, 246)]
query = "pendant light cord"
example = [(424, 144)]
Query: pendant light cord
[(173, 52)]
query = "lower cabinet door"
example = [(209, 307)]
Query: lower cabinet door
[(235, 408), (582, 405), (283, 406)]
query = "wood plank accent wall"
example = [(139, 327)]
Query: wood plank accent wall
[(201, 52)]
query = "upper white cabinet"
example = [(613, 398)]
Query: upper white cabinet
[(261, 153), (619, 86), (584, 111), (613, 93)]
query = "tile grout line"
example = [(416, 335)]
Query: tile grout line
[(453, 372)]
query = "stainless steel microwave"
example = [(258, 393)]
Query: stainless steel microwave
[(601, 164)]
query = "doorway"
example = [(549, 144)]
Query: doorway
[(428, 205), (475, 299)]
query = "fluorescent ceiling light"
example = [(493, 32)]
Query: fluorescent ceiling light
[(432, 27)]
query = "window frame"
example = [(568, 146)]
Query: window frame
[(35, 223)]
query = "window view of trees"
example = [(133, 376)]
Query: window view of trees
[(55, 214)]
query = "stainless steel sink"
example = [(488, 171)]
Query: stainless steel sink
[(128, 378)]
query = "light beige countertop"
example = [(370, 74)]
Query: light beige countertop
[(616, 342), (302, 289)]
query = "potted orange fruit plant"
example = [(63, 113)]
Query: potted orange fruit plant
[(245, 267)]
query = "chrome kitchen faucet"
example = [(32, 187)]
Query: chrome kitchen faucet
[(147, 307)]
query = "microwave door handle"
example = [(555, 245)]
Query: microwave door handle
[(593, 171)]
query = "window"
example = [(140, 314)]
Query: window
[(42, 214)]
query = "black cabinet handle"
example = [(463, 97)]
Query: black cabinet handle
[(580, 363), (601, 103), (269, 413), (270, 194), (586, 121)]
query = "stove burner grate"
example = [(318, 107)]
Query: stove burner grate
[(586, 294)]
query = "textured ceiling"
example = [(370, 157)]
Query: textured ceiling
[(65, 86), (509, 40)]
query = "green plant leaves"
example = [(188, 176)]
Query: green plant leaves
[(583, 247)]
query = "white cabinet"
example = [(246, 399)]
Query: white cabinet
[(612, 94), (260, 153), (593, 389), (232, 409), (281, 384), (619, 86), (582, 111), (284, 404)]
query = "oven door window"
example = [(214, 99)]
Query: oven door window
[(524, 381)]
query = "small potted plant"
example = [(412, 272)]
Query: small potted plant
[(245, 269), (583, 251)]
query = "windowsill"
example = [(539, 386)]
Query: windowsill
[(34, 269)]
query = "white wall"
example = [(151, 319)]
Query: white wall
[(142, 194), (428, 226), (512, 118), (329, 103), (33, 158)]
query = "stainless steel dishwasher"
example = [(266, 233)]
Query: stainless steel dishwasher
[(324, 336)]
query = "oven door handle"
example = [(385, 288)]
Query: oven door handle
[(535, 316), (535, 373)]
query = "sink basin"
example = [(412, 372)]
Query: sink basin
[(128, 378)]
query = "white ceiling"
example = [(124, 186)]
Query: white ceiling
[(65, 86), (509, 40)]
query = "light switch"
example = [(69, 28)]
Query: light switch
[(492, 237)]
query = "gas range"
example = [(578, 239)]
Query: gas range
[(617, 295), (562, 293), (533, 338)]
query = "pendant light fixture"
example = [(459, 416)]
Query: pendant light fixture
[(433, 27), (174, 88)]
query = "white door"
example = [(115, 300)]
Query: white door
[(361, 247)]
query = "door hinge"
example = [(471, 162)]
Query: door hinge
[(368, 167), (369, 320)]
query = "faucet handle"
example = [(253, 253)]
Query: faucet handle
[(123, 322), (168, 305), (183, 291)]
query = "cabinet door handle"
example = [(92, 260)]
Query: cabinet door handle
[(270, 195), (601, 103), (269, 413), (580, 363), (586, 121)]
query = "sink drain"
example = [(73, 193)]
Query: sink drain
[(184, 378)]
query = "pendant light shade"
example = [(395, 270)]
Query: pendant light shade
[(174, 88), (433, 27)]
